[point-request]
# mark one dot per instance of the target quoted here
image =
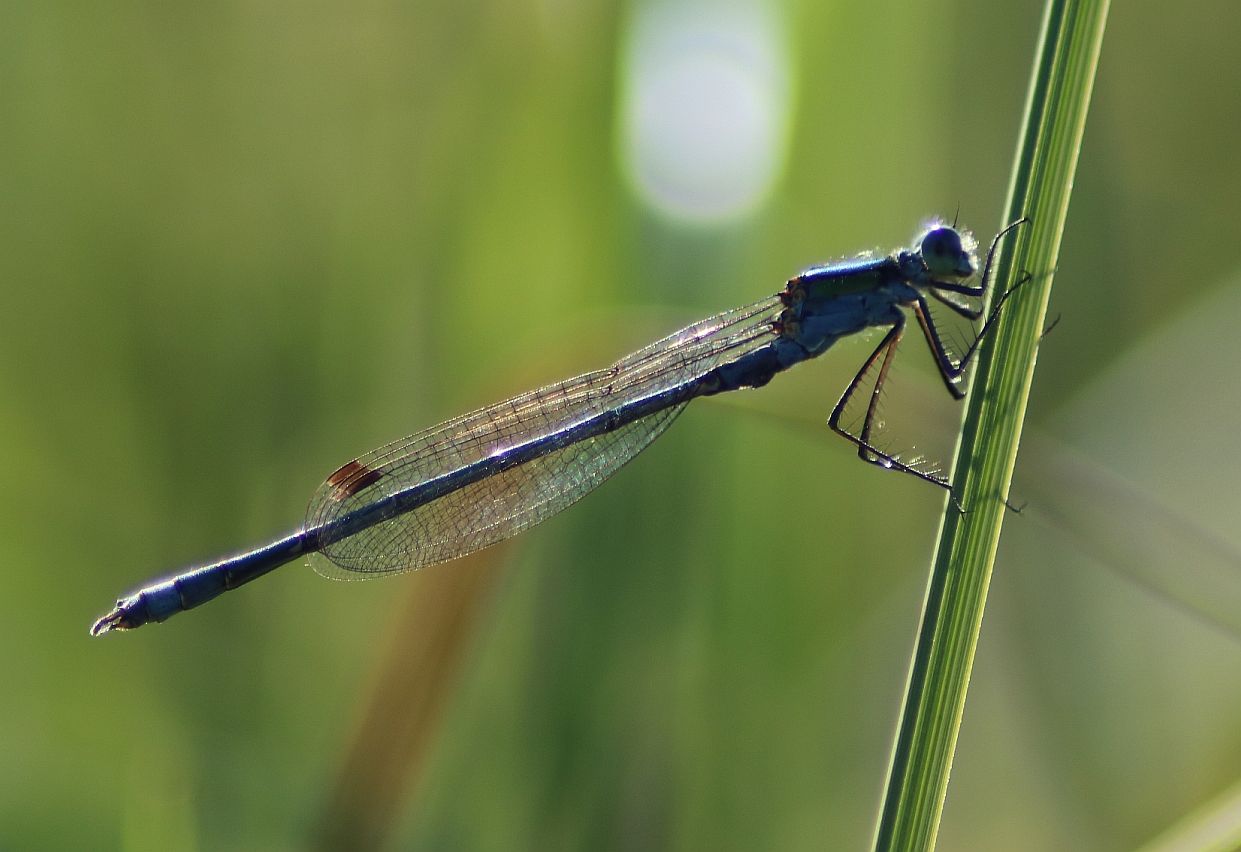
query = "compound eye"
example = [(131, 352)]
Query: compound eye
[(944, 254), (941, 242)]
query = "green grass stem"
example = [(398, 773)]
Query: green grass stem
[(1042, 182)]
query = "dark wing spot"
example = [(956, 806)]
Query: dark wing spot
[(351, 478)]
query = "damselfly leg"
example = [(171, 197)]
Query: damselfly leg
[(950, 371)]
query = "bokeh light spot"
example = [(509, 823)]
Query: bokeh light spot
[(704, 108)]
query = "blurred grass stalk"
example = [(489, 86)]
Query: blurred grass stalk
[(388, 747), (939, 675)]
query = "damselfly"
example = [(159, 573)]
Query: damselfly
[(476, 480)]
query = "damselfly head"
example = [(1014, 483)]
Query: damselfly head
[(947, 252)]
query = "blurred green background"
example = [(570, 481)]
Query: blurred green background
[(242, 243)]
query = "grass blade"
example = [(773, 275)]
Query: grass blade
[(952, 616)]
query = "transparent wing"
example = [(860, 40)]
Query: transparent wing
[(509, 501)]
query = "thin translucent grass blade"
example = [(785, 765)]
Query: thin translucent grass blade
[(956, 595)]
